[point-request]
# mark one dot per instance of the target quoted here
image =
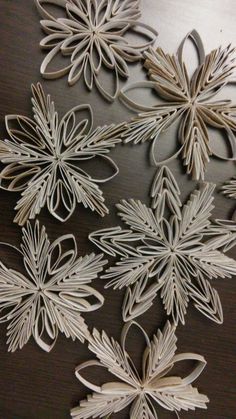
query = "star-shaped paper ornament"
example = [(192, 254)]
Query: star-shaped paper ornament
[(45, 159), (157, 387), (51, 294), (187, 101), (93, 37), (169, 249)]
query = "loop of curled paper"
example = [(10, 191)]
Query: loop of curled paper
[(170, 249), (143, 393), (52, 293), (43, 157), (94, 37), (187, 102)]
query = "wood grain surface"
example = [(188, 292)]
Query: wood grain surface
[(37, 385)]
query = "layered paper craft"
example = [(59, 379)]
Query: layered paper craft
[(187, 102), (169, 249), (43, 159), (52, 293), (158, 386), (95, 36)]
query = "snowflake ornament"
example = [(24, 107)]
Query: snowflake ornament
[(43, 159), (94, 34), (52, 293), (156, 387), (169, 249), (187, 101)]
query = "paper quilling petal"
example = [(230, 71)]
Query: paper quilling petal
[(144, 393), (187, 101), (52, 293), (94, 36), (170, 249), (43, 159)]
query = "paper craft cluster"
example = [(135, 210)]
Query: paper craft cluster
[(165, 247)]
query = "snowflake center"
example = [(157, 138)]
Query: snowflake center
[(172, 249), (142, 389), (57, 158), (94, 31), (192, 102), (40, 291)]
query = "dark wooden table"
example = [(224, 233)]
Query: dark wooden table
[(37, 385)]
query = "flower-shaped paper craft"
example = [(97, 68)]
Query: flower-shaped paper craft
[(156, 387), (44, 156), (94, 34), (52, 293), (187, 101), (176, 250)]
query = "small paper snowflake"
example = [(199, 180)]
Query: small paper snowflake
[(51, 294), (44, 155), (144, 392), (177, 249), (187, 101), (94, 34)]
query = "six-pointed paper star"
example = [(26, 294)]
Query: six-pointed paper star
[(169, 249), (44, 156), (52, 293), (187, 101), (156, 387), (96, 35)]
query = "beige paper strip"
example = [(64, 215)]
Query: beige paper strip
[(169, 249), (158, 386), (229, 190), (43, 159), (52, 293), (94, 34), (188, 102)]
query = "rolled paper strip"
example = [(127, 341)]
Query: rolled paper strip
[(229, 190), (94, 36), (187, 102), (143, 393), (43, 157), (170, 249), (50, 297)]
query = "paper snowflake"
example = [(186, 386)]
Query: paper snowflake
[(52, 293), (156, 387), (95, 35), (44, 155), (176, 250), (187, 101)]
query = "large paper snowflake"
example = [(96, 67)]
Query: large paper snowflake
[(44, 157), (94, 34), (176, 250), (188, 101), (156, 387), (52, 293)]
